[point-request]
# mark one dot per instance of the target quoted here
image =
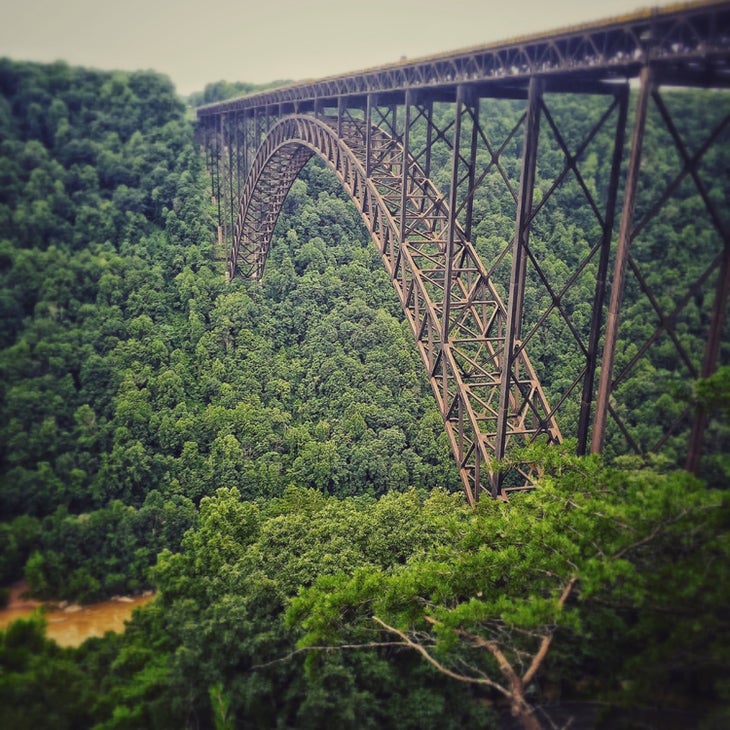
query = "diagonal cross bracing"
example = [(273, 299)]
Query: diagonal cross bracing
[(462, 345), (420, 149)]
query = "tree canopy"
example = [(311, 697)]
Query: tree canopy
[(270, 460)]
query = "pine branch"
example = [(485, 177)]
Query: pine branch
[(327, 648), (435, 663)]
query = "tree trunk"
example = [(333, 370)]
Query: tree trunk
[(521, 709)]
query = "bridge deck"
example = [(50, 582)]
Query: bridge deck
[(687, 43)]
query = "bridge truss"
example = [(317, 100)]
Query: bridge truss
[(424, 148)]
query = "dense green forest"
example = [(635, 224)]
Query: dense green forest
[(270, 460)]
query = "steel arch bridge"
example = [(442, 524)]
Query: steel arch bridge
[(422, 147)]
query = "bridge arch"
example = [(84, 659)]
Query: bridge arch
[(474, 354), (456, 315)]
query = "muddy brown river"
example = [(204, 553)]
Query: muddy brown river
[(72, 625)]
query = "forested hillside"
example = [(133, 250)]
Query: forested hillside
[(134, 381), (270, 460)]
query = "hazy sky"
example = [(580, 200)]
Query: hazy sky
[(195, 42)]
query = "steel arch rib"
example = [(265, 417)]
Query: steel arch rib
[(464, 355)]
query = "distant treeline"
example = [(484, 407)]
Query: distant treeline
[(222, 90)]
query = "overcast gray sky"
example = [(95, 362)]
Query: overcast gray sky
[(195, 42)]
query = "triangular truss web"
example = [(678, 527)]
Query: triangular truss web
[(457, 316), (494, 210)]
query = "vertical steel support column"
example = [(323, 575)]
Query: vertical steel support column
[(251, 140), (368, 135), (404, 167), (712, 352), (210, 153), (446, 312), (474, 106), (429, 138), (245, 153), (231, 213), (424, 158), (244, 145), (237, 141), (218, 163), (622, 258), (340, 114), (518, 273), (600, 291), (257, 122), (448, 270)]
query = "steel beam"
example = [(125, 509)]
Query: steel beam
[(712, 351), (474, 347), (369, 136), (686, 39), (453, 190), (519, 263), (218, 135), (622, 257), (603, 259), (405, 177), (472, 107), (231, 212)]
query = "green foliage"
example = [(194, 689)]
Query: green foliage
[(129, 368), (41, 685), (225, 595), (108, 551), (274, 448), (609, 565), (713, 393), (222, 90), (276, 599), (220, 703)]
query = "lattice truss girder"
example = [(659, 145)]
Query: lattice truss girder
[(455, 310), (453, 298), (456, 313), (388, 139), (688, 39), (479, 337), (469, 175)]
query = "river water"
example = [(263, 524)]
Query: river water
[(72, 625)]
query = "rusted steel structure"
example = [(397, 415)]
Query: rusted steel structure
[(383, 131)]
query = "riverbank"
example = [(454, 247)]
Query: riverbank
[(71, 624)]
